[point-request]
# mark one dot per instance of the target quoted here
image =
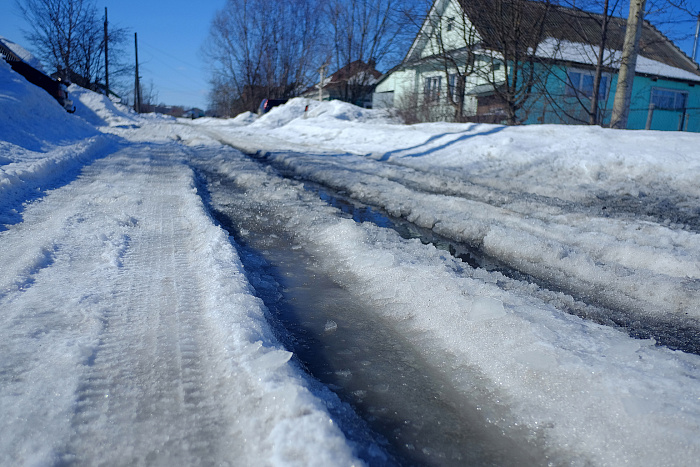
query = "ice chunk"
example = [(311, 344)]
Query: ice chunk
[(484, 308), (272, 360), (538, 359), (331, 326)]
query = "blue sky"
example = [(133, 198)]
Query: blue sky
[(171, 34)]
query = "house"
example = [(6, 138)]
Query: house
[(461, 46), (24, 63), (352, 83)]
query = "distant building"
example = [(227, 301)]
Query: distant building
[(352, 83)]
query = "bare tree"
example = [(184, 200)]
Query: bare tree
[(512, 31), (262, 48), (364, 33), (364, 30), (223, 97), (603, 20), (69, 37)]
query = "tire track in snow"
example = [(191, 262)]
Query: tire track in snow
[(145, 393), (184, 370)]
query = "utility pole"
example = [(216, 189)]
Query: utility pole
[(697, 32), (137, 84), (594, 113), (106, 56), (321, 70), (625, 78)]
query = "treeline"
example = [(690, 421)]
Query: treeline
[(270, 49)]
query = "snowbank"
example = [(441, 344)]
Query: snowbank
[(33, 120), (570, 162), (99, 110), (302, 109), (41, 145)]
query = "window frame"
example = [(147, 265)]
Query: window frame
[(579, 89), (432, 88), (451, 85), (675, 107)]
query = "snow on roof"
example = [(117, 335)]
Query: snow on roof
[(22, 53), (587, 54), (653, 67), (572, 35)]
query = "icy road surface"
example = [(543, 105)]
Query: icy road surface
[(130, 337)]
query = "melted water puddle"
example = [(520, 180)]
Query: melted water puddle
[(419, 417)]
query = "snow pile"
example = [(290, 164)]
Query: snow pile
[(313, 111), (31, 119), (246, 118), (573, 162), (99, 110), (41, 145)]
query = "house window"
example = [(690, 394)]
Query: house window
[(668, 99), (432, 88), (450, 23), (580, 83), (452, 85)]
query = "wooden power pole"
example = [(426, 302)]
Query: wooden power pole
[(695, 42), (322, 71), (137, 84), (625, 78), (106, 56)]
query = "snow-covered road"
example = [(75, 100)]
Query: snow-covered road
[(130, 335), (132, 332)]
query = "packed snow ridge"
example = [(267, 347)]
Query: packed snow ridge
[(131, 335)]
